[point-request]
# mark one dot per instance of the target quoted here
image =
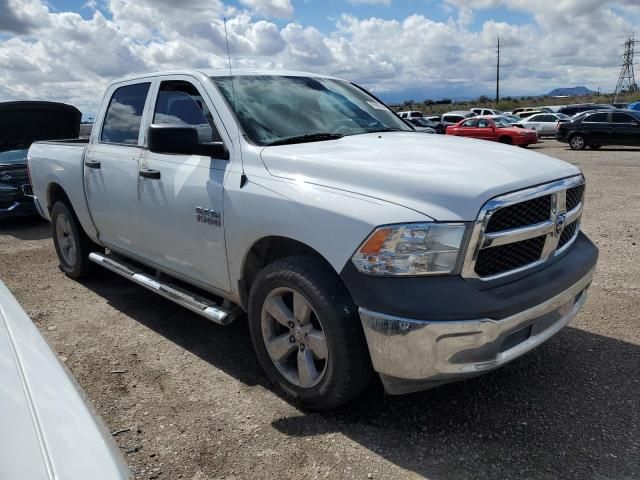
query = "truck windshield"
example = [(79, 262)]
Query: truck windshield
[(275, 110)]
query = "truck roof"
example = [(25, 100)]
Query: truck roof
[(223, 72)]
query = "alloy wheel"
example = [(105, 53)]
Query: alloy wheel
[(65, 239), (294, 337)]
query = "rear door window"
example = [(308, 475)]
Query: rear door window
[(596, 118), (124, 115), (473, 122), (622, 118)]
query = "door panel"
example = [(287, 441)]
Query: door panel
[(112, 193), (598, 128), (182, 204), (111, 168), (182, 216), (626, 130)]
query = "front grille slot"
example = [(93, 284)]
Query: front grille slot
[(520, 215), (567, 234), (495, 260), (574, 197)]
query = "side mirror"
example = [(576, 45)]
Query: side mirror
[(182, 140)]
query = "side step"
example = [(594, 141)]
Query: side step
[(197, 304)]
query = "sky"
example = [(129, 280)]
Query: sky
[(68, 50)]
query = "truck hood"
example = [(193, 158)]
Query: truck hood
[(446, 178), (22, 123)]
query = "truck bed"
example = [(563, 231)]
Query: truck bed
[(60, 163)]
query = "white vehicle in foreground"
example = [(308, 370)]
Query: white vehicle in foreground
[(355, 244), (48, 430)]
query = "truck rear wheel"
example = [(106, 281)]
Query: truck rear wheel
[(71, 243), (307, 333)]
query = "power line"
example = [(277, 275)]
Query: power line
[(627, 80)]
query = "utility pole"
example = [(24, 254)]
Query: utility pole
[(627, 79), (498, 74)]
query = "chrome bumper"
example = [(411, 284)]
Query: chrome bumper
[(412, 355)]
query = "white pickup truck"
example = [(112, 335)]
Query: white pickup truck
[(354, 244)]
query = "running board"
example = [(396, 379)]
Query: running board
[(197, 304)]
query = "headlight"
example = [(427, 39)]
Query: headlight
[(411, 249)]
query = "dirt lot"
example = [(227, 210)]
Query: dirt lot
[(197, 406)]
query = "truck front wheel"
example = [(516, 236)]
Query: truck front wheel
[(307, 333), (70, 241)]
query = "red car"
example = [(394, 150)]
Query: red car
[(495, 129)]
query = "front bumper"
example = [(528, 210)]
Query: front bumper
[(412, 355), (22, 206), (526, 139)]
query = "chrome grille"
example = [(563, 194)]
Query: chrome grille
[(574, 196), (568, 233), (492, 261), (523, 229), (520, 215)]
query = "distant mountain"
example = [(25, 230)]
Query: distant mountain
[(570, 92)]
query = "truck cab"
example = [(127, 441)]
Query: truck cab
[(354, 244)]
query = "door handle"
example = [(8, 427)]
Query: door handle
[(152, 174), (92, 164)]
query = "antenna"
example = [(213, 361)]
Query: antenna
[(243, 177), (498, 74)]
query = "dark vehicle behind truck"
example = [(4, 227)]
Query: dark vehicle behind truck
[(603, 127), (21, 124)]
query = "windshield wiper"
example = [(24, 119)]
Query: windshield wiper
[(388, 129), (310, 137)]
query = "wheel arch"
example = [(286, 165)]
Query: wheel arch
[(265, 251), (55, 193)]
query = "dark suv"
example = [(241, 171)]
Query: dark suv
[(604, 127), (571, 110)]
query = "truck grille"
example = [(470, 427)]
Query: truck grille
[(492, 261), (520, 215), (574, 197), (523, 229), (567, 234)]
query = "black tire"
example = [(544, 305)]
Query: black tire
[(347, 371), (506, 140), (524, 146), (74, 264), (577, 142), (594, 147)]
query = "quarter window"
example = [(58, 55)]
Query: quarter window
[(124, 115)]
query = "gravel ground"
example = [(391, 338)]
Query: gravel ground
[(191, 402)]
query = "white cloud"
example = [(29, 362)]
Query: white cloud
[(62, 56), (270, 8)]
